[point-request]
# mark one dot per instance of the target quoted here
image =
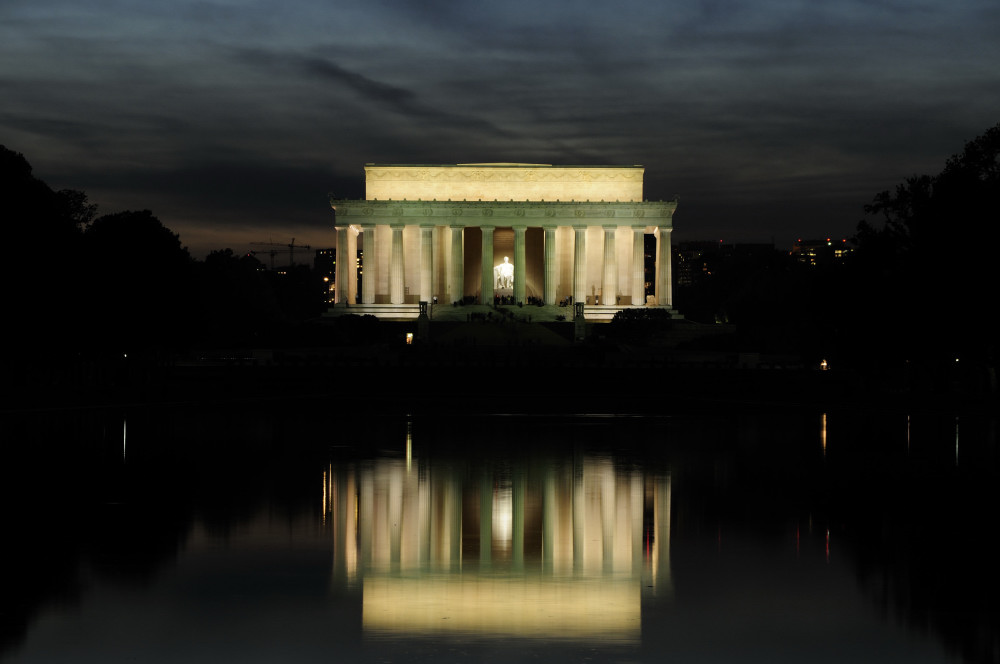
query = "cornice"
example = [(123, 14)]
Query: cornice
[(477, 213), (503, 173)]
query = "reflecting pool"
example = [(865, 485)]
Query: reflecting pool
[(278, 533)]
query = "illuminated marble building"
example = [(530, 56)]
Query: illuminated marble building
[(443, 234)]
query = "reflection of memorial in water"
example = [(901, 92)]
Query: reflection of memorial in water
[(542, 550)]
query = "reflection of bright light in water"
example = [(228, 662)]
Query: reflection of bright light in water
[(822, 434), (503, 514), (591, 507), (956, 438), (124, 437), (593, 609), (409, 445)]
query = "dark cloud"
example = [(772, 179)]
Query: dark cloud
[(765, 117)]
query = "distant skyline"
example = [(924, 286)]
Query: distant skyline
[(232, 120)]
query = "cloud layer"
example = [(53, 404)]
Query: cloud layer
[(232, 120)]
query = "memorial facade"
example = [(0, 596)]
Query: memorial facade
[(501, 233)]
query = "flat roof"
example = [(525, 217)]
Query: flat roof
[(505, 165)]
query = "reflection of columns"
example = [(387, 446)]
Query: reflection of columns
[(487, 286), (396, 293), (579, 510), (609, 280), (638, 265), (548, 519), (549, 296), (517, 525), (366, 517), (664, 285), (343, 511), (446, 521), (662, 582), (457, 276), (580, 264), (608, 499), (394, 515), (369, 264), (342, 276), (518, 264), (424, 514), (485, 515), (636, 500), (426, 264), (453, 517)]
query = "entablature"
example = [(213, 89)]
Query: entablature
[(504, 213)]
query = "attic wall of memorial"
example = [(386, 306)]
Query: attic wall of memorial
[(504, 182)]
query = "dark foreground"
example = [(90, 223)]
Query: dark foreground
[(297, 530)]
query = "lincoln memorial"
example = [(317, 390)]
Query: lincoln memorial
[(507, 233)]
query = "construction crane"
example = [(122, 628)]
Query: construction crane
[(291, 247)]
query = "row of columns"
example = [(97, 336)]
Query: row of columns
[(456, 277)]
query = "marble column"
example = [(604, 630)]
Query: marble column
[(352, 265), (580, 264), (664, 283), (487, 285), (519, 291), (551, 267), (638, 265), (609, 278), (426, 264), (340, 271), (396, 293), (369, 264), (340, 277), (457, 275)]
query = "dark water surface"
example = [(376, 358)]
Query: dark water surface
[(267, 533)]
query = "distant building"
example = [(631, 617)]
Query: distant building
[(820, 252), (697, 260), (325, 266)]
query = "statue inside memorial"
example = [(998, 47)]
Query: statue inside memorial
[(503, 274)]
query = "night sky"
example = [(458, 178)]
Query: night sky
[(232, 120)]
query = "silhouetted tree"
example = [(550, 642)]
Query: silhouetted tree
[(238, 302), (923, 266), (43, 234), (299, 293), (138, 285)]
